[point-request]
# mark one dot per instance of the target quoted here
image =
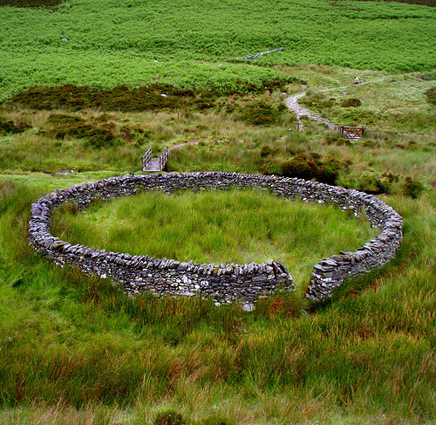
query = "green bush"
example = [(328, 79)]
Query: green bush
[(353, 103), (370, 182), (7, 127), (412, 188), (317, 101), (309, 166), (431, 95), (169, 417), (261, 113), (337, 140)]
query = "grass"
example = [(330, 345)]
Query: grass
[(74, 349), (214, 227), (399, 104), (286, 361), (185, 44)]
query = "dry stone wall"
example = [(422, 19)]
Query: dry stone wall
[(224, 282)]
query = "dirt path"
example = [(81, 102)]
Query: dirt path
[(179, 145), (292, 104)]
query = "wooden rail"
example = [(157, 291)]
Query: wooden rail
[(146, 158), (163, 158)]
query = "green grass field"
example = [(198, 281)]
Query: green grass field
[(75, 349)]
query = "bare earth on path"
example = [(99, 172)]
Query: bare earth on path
[(292, 104)]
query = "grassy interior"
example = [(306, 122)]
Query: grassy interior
[(217, 227)]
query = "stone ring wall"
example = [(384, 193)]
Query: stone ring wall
[(224, 282)]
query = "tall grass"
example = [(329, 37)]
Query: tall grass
[(217, 227), (74, 349), (70, 340)]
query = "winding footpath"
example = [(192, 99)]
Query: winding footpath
[(292, 104)]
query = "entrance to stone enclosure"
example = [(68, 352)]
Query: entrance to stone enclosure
[(352, 133)]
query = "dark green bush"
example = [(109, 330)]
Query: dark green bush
[(412, 188), (30, 3), (337, 140), (317, 101), (7, 127), (261, 113), (63, 119), (353, 103), (266, 151), (373, 183), (96, 135), (125, 99), (134, 132), (169, 417), (309, 166)]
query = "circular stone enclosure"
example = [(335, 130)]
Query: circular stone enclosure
[(225, 282)]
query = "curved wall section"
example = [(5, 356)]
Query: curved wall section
[(224, 282)]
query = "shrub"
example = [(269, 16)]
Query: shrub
[(266, 151), (317, 101), (169, 417), (337, 140), (70, 125), (309, 166), (376, 184), (134, 132), (30, 3), (261, 113), (7, 127), (353, 103), (412, 188)]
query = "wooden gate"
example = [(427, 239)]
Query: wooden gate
[(352, 133)]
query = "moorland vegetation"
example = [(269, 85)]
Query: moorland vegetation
[(87, 87)]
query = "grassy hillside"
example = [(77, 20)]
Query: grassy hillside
[(137, 74), (107, 43)]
